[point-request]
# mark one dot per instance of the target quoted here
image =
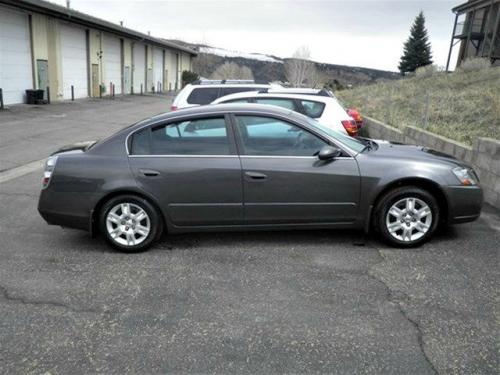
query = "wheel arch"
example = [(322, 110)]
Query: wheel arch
[(94, 215), (423, 183)]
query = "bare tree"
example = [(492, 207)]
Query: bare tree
[(231, 70), (300, 71)]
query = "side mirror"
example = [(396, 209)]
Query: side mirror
[(329, 152)]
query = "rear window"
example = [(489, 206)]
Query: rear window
[(203, 95), (312, 109)]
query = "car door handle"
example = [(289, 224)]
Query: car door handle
[(255, 176), (149, 172)]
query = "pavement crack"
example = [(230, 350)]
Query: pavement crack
[(396, 297), (7, 296)]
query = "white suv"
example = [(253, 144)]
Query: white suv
[(325, 109), (206, 91)]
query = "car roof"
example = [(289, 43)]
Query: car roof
[(221, 85), (254, 94)]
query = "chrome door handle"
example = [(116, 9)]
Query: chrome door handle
[(149, 172)]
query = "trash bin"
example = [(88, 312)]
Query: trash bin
[(31, 96), (34, 96)]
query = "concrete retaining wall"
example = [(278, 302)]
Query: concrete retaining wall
[(484, 155)]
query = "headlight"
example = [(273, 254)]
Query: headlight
[(466, 176)]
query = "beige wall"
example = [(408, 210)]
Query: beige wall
[(45, 42)]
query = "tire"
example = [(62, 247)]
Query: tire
[(406, 217), (130, 223)]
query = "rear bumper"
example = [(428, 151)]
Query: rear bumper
[(63, 209), (464, 203)]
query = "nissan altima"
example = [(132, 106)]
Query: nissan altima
[(252, 167)]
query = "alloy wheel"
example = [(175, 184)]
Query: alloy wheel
[(128, 224), (409, 219)]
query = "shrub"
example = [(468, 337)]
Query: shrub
[(427, 71), (189, 77), (474, 64)]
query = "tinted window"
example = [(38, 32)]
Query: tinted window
[(269, 136), (284, 103), (140, 142), (233, 90), (312, 109), (239, 101), (194, 137), (203, 95)]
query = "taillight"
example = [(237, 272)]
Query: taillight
[(173, 108), (350, 127), (49, 168), (354, 113)]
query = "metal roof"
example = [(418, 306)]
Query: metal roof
[(74, 16)]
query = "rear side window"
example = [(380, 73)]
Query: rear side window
[(203, 95), (312, 109), (140, 143), (192, 137), (283, 103), (233, 90)]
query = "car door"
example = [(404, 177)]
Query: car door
[(285, 183), (191, 167)]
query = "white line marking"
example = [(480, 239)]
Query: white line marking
[(21, 171)]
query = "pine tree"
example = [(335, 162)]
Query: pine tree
[(417, 49)]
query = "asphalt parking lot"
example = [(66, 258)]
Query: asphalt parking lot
[(271, 302)]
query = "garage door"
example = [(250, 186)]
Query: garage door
[(157, 68), (74, 61), (15, 56), (112, 63), (139, 70)]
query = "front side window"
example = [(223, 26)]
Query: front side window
[(267, 136), (312, 109), (203, 95), (283, 103), (192, 137)]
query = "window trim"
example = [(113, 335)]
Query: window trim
[(229, 134), (230, 115)]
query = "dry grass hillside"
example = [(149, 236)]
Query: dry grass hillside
[(462, 105)]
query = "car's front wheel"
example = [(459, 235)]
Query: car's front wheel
[(130, 223), (406, 216)]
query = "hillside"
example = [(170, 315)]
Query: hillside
[(271, 68), (461, 105)]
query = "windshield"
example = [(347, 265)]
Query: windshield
[(352, 143)]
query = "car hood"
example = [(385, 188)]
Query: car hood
[(75, 147), (401, 150)]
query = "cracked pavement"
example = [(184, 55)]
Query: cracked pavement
[(272, 302)]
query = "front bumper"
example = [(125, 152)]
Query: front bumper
[(464, 203)]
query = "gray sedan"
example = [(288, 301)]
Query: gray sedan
[(252, 167)]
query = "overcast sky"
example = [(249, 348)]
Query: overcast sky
[(364, 33)]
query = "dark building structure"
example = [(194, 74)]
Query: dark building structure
[(476, 31)]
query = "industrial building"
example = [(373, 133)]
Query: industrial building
[(476, 31), (77, 55)]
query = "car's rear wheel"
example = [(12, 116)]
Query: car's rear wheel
[(130, 223), (406, 216)]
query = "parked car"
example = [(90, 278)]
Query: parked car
[(325, 109), (206, 91), (352, 112), (251, 167)]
